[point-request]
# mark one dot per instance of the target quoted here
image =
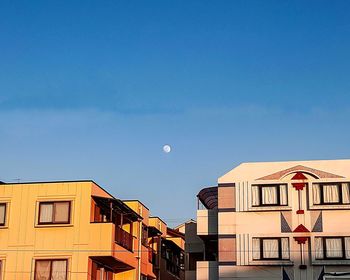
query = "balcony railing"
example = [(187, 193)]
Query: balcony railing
[(152, 256), (123, 238)]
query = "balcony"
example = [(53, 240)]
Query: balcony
[(207, 222), (207, 270), (123, 238)]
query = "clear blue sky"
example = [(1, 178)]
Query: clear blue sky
[(93, 89)]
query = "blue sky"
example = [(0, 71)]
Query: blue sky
[(92, 89)]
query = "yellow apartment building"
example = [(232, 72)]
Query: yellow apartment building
[(71, 231)]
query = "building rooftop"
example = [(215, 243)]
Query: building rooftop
[(250, 171)]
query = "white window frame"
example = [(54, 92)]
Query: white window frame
[(258, 189), (320, 200), (345, 249), (280, 249)]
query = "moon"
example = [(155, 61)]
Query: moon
[(166, 149)]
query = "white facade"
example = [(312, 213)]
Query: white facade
[(283, 220)]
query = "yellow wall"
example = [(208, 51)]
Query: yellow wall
[(22, 240)]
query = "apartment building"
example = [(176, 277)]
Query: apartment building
[(167, 250), (277, 220), (194, 248), (73, 230)]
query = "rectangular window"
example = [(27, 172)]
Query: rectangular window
[(2, 214), (269, 195), (270, 248), (51, 269), (332, 248), (57, 212), (331, 194)]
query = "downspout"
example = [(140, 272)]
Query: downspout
[(159, 255), (139, 248)]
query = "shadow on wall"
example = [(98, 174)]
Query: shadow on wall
[(250, 273)]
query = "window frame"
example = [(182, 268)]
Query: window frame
[(340, 194), (5, 214), (51, 261), (53, 212), (280, 255), (324, 242), (262, 248), (278, 189)]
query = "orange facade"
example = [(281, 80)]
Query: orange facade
[(73, 231)]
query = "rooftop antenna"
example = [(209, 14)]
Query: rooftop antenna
[(18, 180)]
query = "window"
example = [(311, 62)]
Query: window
[(270, 248), (2, 214), (57, 212), (332, 248), (332, 193), (269, 195), (0, 269), (51, 269)]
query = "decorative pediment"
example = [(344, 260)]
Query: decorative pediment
[(302, 169)]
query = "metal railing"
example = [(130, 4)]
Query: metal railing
[(123, 238)]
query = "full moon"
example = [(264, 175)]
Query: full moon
[(166, 149)]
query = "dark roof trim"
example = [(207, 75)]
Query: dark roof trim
[(153, 231), (119, 205), (52, 182), (175, 232), (209, 197), (227, 185), (172, 244)]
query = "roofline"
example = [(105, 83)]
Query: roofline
[(294, 160), (156, 217), (53, 182), (120, 201), (175, 232), (135, 200), (184, 223), (60, 181)]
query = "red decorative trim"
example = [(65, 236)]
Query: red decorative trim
[(299, 176), (301, 228), (300, 212), (300, 168), (300, 240), (299, 186)]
